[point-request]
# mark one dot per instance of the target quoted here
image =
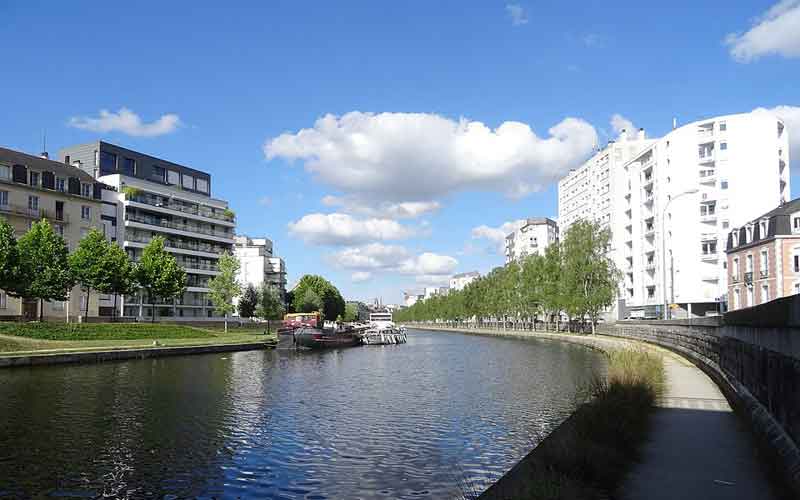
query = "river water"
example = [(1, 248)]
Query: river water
[(428, 419)]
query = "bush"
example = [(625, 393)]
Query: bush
[(101, 331)]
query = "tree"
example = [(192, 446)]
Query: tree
[(351, 312), (88, 264), (248, 302), (310, 302), (45, 273), (224, 286), (270, 306), (159, 274), (333, 303), (121, 278), (9, 258)]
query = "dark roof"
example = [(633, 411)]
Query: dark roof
[(785, 209), (779, 224), (42, 164)]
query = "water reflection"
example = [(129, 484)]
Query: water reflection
[(392, 421)]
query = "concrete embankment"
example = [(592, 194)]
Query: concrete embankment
[(100, 356)]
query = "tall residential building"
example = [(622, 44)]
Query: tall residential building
[(258, 265), (34, 188), (683, 192), (532, 238), (150, 197), (459, 281), (763, 257)]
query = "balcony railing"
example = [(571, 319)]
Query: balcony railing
[(183, 245), (764, 273), (179, 227), (748, 277), (180, 207), (735, 278), (34, 213)]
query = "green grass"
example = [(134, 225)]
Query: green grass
[(25, 338), (590, 454)]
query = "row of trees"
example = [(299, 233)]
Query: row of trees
[(39, 267), (574, 277)]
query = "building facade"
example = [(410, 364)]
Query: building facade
[(763, 257), (674, 202), (411, 298), (460, 281), (149, 197), (258, 265), (34, 188), (532, 238)]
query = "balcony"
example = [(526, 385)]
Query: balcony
[(748, 277), (708, 236), (168, 204), (34, 213), (735, 278), (648, 198), (764, 273), (187, 228), (650, 266), (647, 182), (709, 256), (205, 249)]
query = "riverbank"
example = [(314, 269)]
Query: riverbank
[(30, 344), (697, 448)]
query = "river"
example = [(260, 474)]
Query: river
[(419, 420)]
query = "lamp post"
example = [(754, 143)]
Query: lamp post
[(664, 247)]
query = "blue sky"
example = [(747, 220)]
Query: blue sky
[(395, 77)]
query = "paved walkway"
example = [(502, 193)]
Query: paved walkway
[(697, 447)]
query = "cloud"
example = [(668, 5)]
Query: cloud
[(432, 280), (374, 256), (497, 235), (620, 123), (776, 32), (360, 277), (407, 157), (517, 13), (429, 264), (791, 119), (265, 201), (127, 122), (343, 229), (402, 210)]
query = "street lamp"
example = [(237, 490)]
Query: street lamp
[(664, 246)]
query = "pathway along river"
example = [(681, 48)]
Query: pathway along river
[(404, 421)]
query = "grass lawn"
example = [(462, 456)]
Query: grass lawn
[(19, 338)]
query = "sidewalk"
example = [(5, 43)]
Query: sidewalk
[(697, 447)]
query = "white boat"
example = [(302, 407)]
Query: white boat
[(382, 330)]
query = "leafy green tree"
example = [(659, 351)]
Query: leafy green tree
[(45, 272), (224, 287), (270, 306), (248, 301), (120, 274), (159, 274), (88, 264), (310, 302), (351, 312), (9, 258), (333, 303)]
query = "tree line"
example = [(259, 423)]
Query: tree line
[(574, 278)]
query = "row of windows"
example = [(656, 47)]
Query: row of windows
[(35, 180), (109, 164)]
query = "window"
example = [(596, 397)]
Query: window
[(651, 292), (750, 296), (173, 177), (749, 267), (723, 146), (3, 198), (57, 306), (86, 212), (749, 234), (129, 166), (764, 263), (736, 267), (796, 224), (737, 300), (61, 184), (33, 203), (202, 185), (188, 181), (723, 184), (797, 288), (84, 232), (158, 173), (108, 163), (59, 229), (764, 293), (5, 172), (86, 190), (762, 228), (35, 179), (796, 262), (3, 301), (725, 225), (723, 126), (709, 248)]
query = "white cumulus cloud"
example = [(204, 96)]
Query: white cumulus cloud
[(343, 229), (360, 276), (401, 210), (517, 13), (776, 32), (497, 235), (405, 157), (127, 122), (620, 123), (429, 264), (374, 256)]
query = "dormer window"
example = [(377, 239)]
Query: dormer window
[(749, 234), (763, 229), (796, 224), (735, 235)]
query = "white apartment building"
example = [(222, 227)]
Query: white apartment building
[(682, 193), (532, 238), (258, 265), (411, 298), (151, 197), (459, 281)]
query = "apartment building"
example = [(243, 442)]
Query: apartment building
[(411, 298), (258, 265), (763, 257), (532, 238), (148, 197), (674, 202), (34, 188), (460, 281)]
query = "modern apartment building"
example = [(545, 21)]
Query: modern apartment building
[(150, 197), (34, 188), (532, 238), (673, 203), (763, 257), (258, 265), (459, 281)]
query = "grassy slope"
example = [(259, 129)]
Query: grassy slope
[(18, 338)]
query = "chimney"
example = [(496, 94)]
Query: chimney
[(640, 136), (623, 135), (674, 123), (44, 155)]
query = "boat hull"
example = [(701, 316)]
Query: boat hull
[(316, 339)]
